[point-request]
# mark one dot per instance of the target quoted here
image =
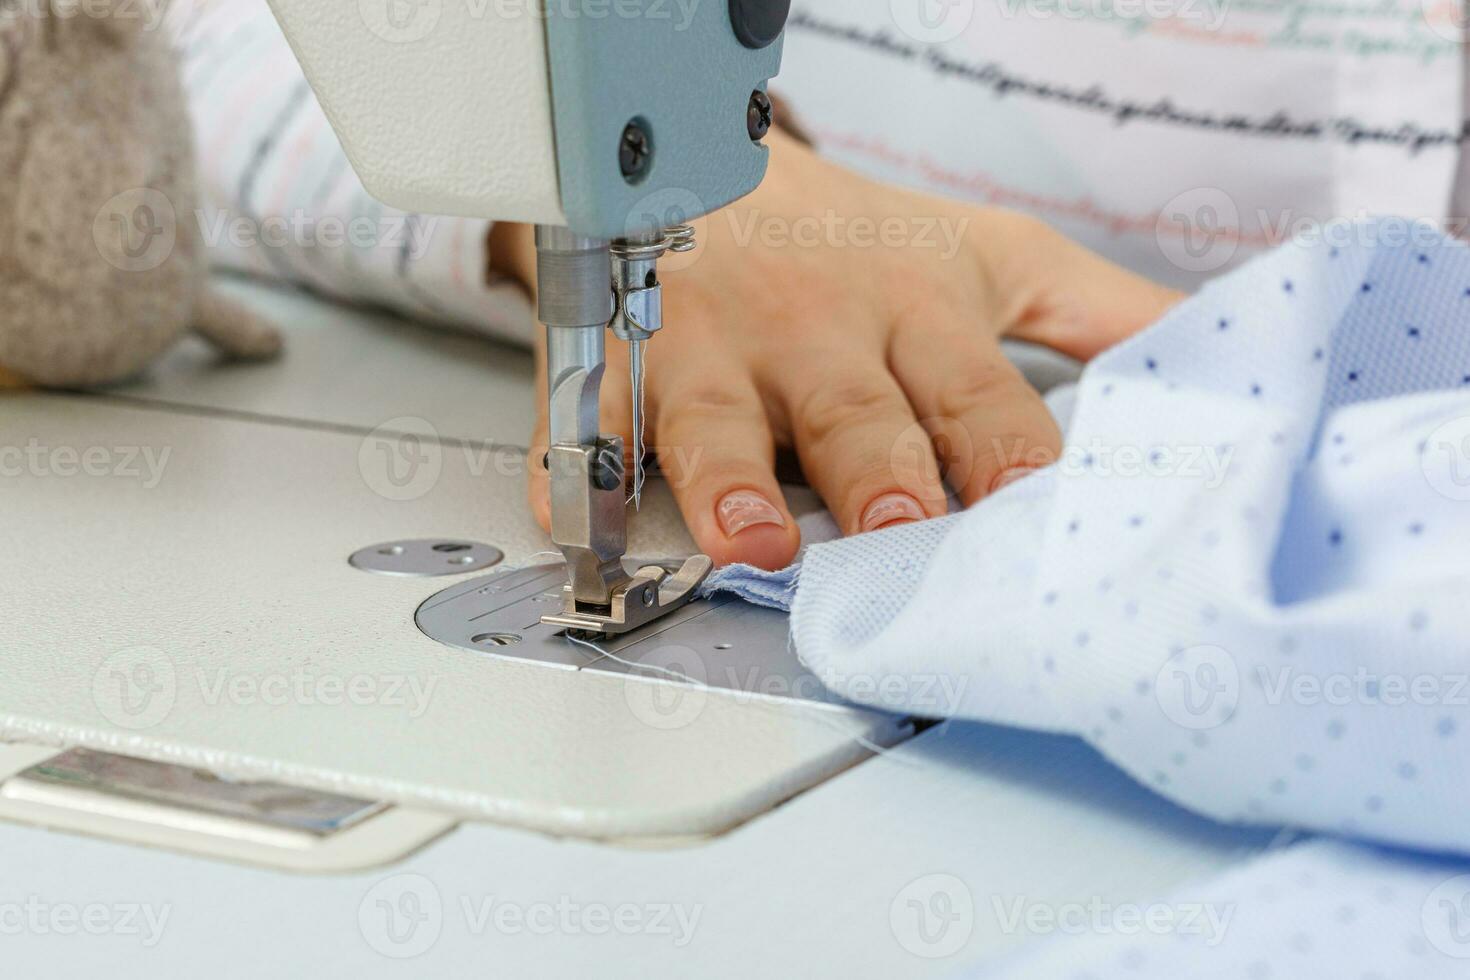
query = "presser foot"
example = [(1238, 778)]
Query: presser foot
[(650, 594)]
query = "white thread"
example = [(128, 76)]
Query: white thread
[(671, 674)]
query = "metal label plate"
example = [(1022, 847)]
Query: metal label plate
[(164, 784)]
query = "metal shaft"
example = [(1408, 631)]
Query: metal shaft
[(588, 516), (586, 286)]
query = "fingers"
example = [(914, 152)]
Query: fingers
[(714, 446), (854, 431), (717, 452), (988, 425)]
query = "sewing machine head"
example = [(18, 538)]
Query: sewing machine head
[(614, 118), (609, 124)]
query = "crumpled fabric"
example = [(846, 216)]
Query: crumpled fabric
[(1244, 582)]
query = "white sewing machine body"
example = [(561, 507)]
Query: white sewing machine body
[(414, 144), (514, 111)]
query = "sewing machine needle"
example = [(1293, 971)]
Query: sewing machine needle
[(635, 362)]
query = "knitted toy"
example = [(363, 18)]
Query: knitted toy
[(102, 266)]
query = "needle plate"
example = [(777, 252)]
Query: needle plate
[(723, 642)]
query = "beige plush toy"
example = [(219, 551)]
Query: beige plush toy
[(102, 266)]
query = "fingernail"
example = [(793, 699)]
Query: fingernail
[(1013, 475), (745, 509), (892, 508)]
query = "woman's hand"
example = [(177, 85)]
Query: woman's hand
[(860, 325)]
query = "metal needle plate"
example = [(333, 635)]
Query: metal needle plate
[(724, 642)]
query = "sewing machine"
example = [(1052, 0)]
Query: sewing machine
[(609, 133), (507, 779)]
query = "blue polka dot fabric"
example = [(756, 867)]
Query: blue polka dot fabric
[(1323, 909), (1246, 582)]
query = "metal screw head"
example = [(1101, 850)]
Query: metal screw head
[(608, 472), (635, 152), (760, 116)]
